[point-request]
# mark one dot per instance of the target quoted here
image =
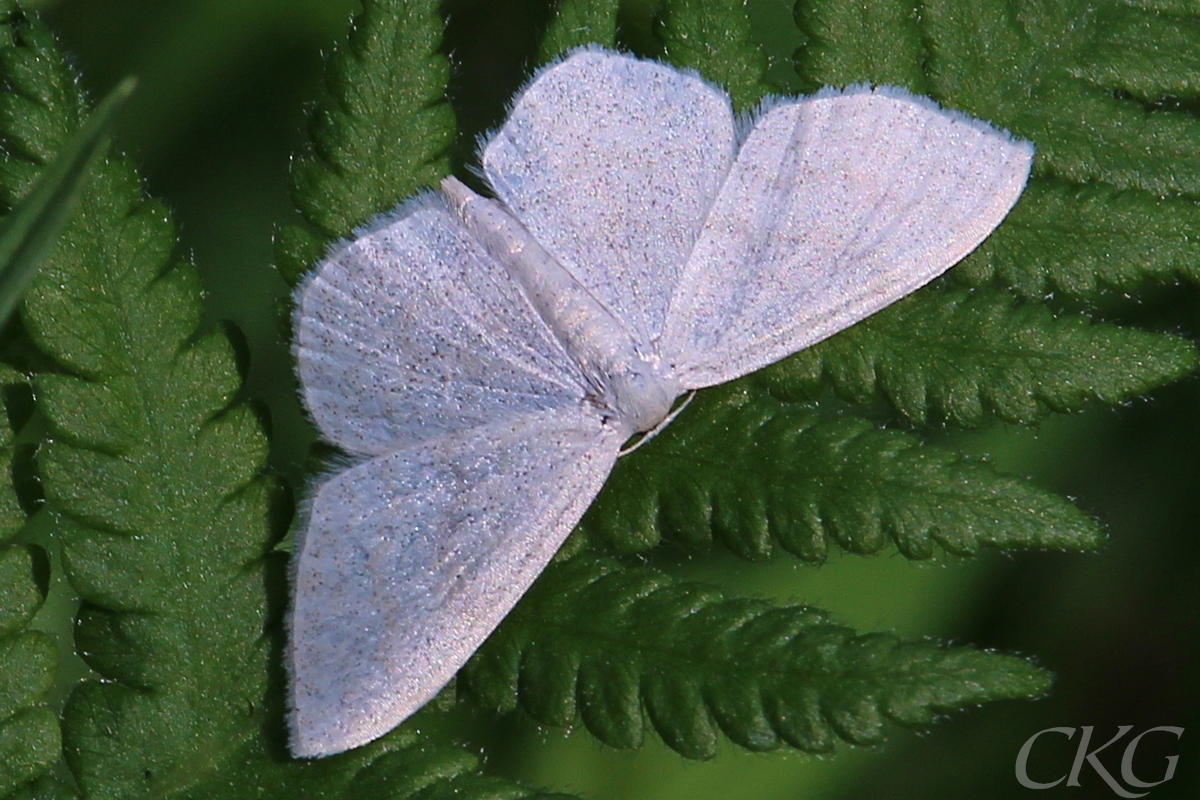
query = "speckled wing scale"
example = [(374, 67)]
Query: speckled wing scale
[(633, 151), (416, 556), (482, 361), (412, 331), (837, 206), (478, 451)]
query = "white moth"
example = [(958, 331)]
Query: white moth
[(484, 360)]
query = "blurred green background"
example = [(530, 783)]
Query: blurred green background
[(220, 111)]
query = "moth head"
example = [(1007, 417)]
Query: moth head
[(641, 396)]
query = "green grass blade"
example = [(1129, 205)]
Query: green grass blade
[(28, 231)]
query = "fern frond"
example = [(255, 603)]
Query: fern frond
[(153, 472), (155, 469), (381, 134), (1100, 109), (579, 22), (616, 646), (756, 475), (153, 488), (963, 358), (12, 385), (845, 43), (417, 772), (713, 38), (30, 740), (1082, 240), (1118, 162)]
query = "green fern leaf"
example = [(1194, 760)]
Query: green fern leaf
[(381, 134), (961, 358), (1091, 86), (1080, 240), (154, 475), (13, 385), (153, 488), (417, 772), (713, 38), (793, 479), (44, 788), (30, 741), (28, 230), (604, 643), (845, 43), (384, 131), (154, 469), (579, 22), (1145, 50)]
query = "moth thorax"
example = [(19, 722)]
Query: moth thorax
[(641, 395)]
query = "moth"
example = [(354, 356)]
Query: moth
[(483, 360)]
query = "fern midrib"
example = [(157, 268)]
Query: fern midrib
[(760, 671)]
